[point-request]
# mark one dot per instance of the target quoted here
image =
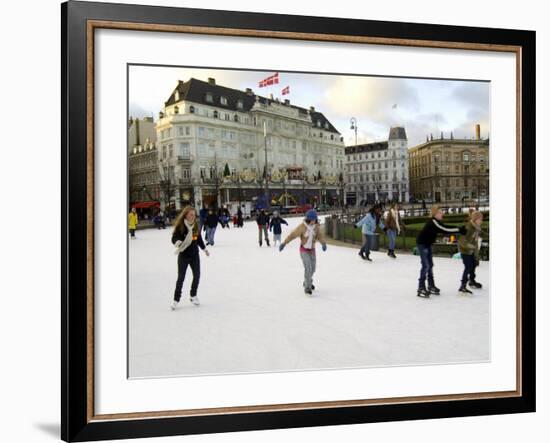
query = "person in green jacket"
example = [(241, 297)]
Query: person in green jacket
[(468, 245)]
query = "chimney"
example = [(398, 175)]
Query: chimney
[(271, 96), (312, 108), (138, 141), (211, 80), (478, 132), (452, 137), (431, 137), (287, 101), (248, 91)]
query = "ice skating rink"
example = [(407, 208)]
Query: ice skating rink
[(255, 317)]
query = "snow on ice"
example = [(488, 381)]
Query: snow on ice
[(255, 317)]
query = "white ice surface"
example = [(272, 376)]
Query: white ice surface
[(255, 317)]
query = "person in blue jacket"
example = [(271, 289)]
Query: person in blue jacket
[(275, 226), (368, 226)]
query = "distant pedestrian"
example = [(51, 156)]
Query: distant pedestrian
[(368, 225), (393, 227), (424, 241), (239, 217), (224, 217), (210, 225), (309, 232), (203, 213), (275, 226), (187, 240), (263, 225), (159, 220), (132, 223), (468, 246)]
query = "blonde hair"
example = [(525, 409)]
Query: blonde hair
[(178, 225), (476, 215), (435, 209)]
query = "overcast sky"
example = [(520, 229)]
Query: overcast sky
[(422, 106)]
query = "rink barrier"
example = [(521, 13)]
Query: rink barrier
[(341, 227)]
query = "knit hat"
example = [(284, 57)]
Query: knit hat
[(311, 214)]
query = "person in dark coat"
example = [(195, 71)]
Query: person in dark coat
[(424, 241), (203, 213), (239, 217), (187, 240), (263, 225), (210, 225), (275, 226)]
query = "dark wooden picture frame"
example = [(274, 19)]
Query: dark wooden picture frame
[(78, 420)]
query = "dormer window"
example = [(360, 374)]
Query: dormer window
[(223, 100), (215, 114), (191, 109), (326, 125), (209, 97), (318, 123), (240, 104), (177, 95)]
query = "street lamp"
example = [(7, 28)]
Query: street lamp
[(353, 122), (267, 199)]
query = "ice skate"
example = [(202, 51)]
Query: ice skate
[(308, 291), (423, 293), (464, 290), (267, 241), (367, 257), (474, 284), (195, 300), (433, 289), (392, 254), (174, 305), (362, 255)]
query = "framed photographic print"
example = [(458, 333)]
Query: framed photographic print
[(275, 221)]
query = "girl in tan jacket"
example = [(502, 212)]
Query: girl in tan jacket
[(309, 232)]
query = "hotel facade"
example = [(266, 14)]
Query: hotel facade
[(216, 145), (379, 171)]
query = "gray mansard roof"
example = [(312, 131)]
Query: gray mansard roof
[(195, 91), (368, 147), (397, 133)]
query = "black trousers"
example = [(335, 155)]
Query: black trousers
[(183, 262), (469, 268)]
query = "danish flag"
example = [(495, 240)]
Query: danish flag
[(286, 91), (271, 80)]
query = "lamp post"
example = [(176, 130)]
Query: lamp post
[(267, 199), (246, 156), (353, 122)]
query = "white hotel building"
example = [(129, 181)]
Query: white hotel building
[(378, 172), (211, 146)]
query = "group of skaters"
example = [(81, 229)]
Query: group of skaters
[(188, 241), (469, 244)]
